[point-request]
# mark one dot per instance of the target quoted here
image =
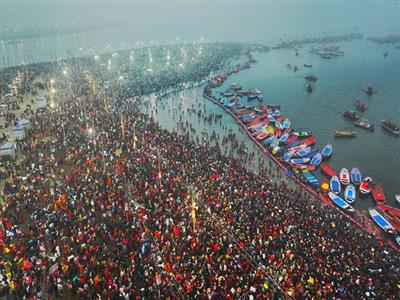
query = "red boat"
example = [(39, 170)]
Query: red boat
[(287, 130), (291, 139), (377, 192), (309, 141), (387, 208), (388, 213), (328, 170), (279, 118), (278, 132)]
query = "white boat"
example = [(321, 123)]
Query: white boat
[(344, 176), (350, 193), (380, 220), (397, 196), (341, 203)]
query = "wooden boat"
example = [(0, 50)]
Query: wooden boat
[(303, 152), (327, 150), (286, 124), (284, 138), (360, 106), (295, 144), (302, 133), (311, 78), (397, 197), (278, 132), (301, 160), (380, 220), (276, 113), (341, 203), (304, 167), (291, 139), (355, 176), (344, 176), (324, 186), (369, 90), (235, 87), (351, 115), (377, 192), (310, 177), (262, 136), (365, 187), (328, 170), (391, 127), (365, 124), (307, 66), (287, 156), (345, 133), (271, 119), (311, 154), (394, 211), (297, 148), (334, 185), (316, 160), (269, 140), (309, 141), (350, 193), (270, 129)]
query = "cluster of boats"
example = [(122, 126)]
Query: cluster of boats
[(327, 51), (362, 123), (235, 90)]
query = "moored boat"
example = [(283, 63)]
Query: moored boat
[(316, 160), (287, 156), (377, 192), (391, 127), (301, 160), (345, 133), (334, 185), (311, 78), (380, 220), (235, 87), (394, 211), (310, 177), (397, 197), (309, 87), (369, 90), (365, 186), (344, 176), (303, 152), (327, 150), (341, 203), (291, 139), (355, 176), (327, 169), (309, 141), (350, 193), (302, 133)]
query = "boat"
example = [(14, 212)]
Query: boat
[(262, 136), (394, 211), (355, 176), (270, 129), (377, 192), (302, 133), (271, 119), (369, 90), (324, 186), (345, 133), (302, 160), (351, 115), (291, 139), (327, 150), (365, 124), (312, 153), (235, 87), (350, 193), (307, 66), (380, 220), (276, 113), (309, 87), (297, 148), (304, 167), (287, 156), (391, 127), (326, 56), (286, 124), (327, 169), (310, 177), (269, 140), (289, 66), (385, 54), (316, 160), (311, 78), (284, 138), (360, 106), (397, 197), (344, 176), (334, 185), (303, 152), (365, 185), (309, 141), (341, 203)]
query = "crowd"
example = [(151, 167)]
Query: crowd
[(108, 205)]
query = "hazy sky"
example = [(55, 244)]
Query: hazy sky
[(247, 20)]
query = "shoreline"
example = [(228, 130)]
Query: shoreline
[(323, 199)]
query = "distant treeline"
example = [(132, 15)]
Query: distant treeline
[(319, 40)]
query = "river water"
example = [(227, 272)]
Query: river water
[(341, 81)]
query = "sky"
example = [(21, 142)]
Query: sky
[(220, 19)]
